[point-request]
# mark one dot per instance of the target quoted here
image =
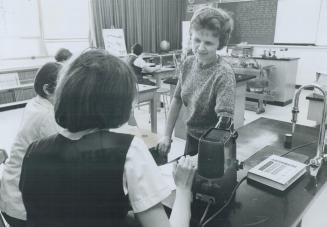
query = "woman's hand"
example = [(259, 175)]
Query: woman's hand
[(164, 145), (183, 173), (224, 122)]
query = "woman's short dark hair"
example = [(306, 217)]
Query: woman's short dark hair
[(137, 49), (47, 74), (96, 90), (216, 20), (62, 55)]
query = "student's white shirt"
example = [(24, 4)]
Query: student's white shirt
[(38, 122), (142, 180), (139, 62)]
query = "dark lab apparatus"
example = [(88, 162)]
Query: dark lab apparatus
[(216, 177)]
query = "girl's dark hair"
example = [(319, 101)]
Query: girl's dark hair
[(62, 55), (47, 74), (95, 91), (137, 49), (216, 20)]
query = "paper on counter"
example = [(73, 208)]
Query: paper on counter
[(149, 138), (167, 175)]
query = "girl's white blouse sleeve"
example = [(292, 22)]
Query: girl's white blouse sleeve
[(142, 178)]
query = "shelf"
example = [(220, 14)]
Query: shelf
[(16, 87), (17, 82)]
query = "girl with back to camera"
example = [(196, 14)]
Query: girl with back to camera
[(38, 122), (206, 86), (88, 175)]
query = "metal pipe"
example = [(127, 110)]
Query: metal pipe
[(318, 159)]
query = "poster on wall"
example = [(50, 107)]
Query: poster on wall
[(114, 41)]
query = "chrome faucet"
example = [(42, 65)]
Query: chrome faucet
[(317, 161)]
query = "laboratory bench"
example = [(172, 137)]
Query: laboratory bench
[(282, 81), (260, 206), (281, 76)]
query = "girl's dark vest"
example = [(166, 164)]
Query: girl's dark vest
[(68, 183)]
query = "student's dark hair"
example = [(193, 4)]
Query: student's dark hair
[(216, 20), (137, 49), (62, 55), (47, 74), (96, 90)]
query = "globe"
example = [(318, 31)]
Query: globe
[(164, 45)]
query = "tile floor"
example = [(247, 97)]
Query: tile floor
[(10, 121)]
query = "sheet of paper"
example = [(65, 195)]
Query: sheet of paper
[(149, 138), (167, 175)]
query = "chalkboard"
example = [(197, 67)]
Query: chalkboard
[(254, 21)]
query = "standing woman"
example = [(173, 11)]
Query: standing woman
[(38, 122), (206, 86), (87, 175)]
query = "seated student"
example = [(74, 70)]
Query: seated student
[(38, 122), (81, 176), (135, 59), (63, 55)]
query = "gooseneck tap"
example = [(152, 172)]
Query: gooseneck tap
[(317, 161)]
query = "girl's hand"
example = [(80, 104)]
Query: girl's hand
[(183, 173)]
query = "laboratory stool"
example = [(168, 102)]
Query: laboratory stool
[(164, 93)]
